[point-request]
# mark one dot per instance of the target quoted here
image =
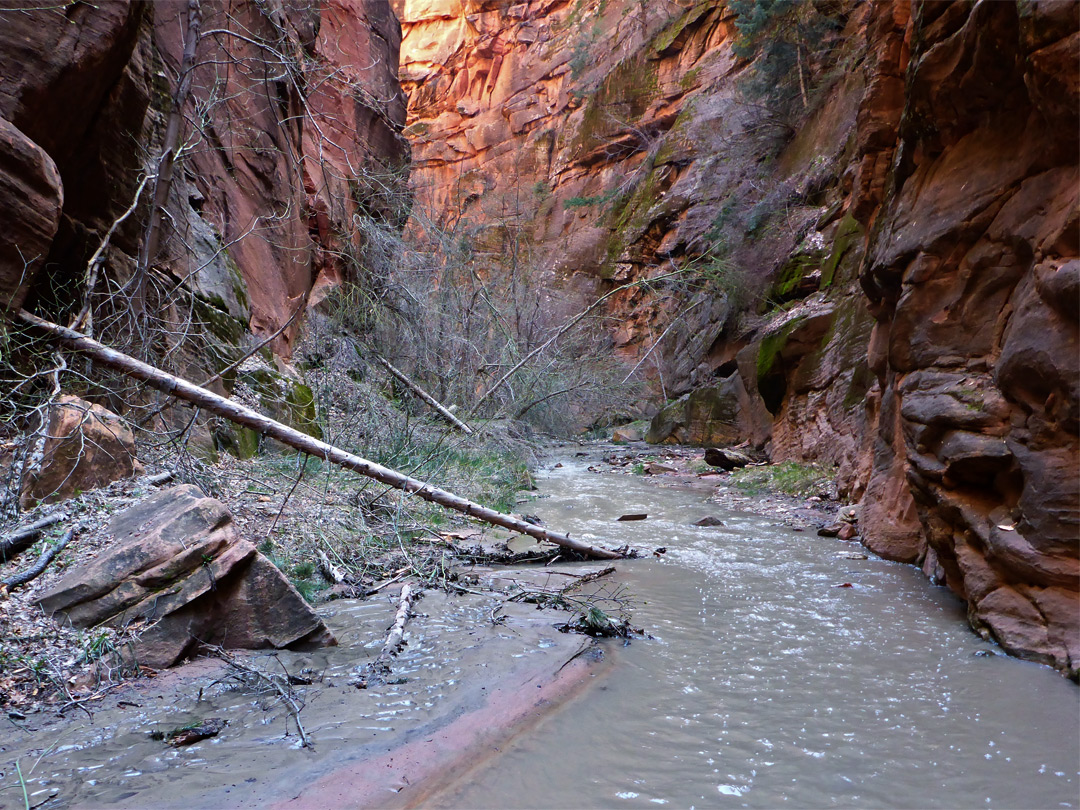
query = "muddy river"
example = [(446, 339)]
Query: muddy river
[(764, 684), (767, 685)]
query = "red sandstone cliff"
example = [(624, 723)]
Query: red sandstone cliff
[(973, 277), (916, 237), (291, 107)]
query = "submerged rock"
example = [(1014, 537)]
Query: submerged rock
[(178, 569), (708, 521)]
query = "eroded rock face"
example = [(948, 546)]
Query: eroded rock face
[(607, 141), (86, 447), (971, 273), (179, 570), (259, 219), (30, 186), (927, 343), (288, 163)]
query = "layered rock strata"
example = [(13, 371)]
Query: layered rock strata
[(178, 575)]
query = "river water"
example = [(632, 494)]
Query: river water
[(766, 685)]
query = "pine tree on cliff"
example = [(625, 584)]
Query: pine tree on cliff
[(790, 41)]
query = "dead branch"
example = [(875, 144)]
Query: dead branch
[(234, 412), (21, 539), (253, 677), (590, 577), (426, 397), (395, 639), (330, 572), (378, 669), (34, 571), (93, 267)]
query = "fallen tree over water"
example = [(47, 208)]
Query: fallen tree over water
[(227, 409)]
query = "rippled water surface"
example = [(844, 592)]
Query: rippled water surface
[(766, 685)]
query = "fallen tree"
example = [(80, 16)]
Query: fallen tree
[(426, 397), (23, 538), (241, 415)]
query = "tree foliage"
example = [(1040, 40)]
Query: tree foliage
[(791, 42)]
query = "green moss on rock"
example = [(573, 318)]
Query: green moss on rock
[(667, 36), (848, 233)]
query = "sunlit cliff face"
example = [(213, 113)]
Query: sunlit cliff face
[(913, 239)]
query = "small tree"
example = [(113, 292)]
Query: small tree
[(790, 41)]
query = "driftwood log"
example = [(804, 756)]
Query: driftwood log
[(241, 415), (22, 539), (36, 570)]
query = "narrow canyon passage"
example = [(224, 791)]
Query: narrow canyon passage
[(766, 685)]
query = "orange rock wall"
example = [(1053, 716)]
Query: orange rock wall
[(972, 274), (929, 204), (520, 114)]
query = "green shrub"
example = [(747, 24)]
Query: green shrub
[(787, 477)]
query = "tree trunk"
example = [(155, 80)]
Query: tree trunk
[(241, 415), (424, 395)]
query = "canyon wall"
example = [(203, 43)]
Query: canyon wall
[(973, 278), (912, 233), (605, 137), (292, 106)]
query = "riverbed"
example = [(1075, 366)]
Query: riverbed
[(769, 681), (777, 669)]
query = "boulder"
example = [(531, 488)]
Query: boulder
[(178, 570), (704, 416), (726, 459), (847, 532), (626, 434), (658, 468), (709, 521), (87, 447)]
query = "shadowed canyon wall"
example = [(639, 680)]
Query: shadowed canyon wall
[(292, 106), (973, 278), (914, 237)]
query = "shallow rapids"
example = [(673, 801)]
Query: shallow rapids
[(767, 685)]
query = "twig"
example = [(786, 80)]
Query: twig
[(77, 702), (591, 577), (288, 495), (426, 397), (34, 571), (400, 576), (276, 683)]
